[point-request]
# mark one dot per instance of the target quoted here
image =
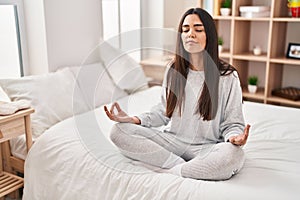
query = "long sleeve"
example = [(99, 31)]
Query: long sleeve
[(232, 120), (189, 127), (156, 117)]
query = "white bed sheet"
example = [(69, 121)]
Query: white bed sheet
[(73, 160)]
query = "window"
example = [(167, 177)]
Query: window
[(11, 50), (111, 22), (122, 18)]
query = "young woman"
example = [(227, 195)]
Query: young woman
[(201, 105)]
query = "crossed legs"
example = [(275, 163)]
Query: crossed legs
[(216, 162)]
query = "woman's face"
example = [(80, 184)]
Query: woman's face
[(193, 35)]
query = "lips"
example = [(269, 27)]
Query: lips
[(191, 42)]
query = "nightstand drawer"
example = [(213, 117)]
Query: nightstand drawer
[(11, 129), (16, 124)]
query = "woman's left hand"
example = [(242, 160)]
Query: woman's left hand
[(242, 138)]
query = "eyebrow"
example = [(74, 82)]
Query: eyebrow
[(195, 25)]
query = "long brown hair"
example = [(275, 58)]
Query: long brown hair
[(213, 68)]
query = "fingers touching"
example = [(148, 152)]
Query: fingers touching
[(117, 106), (119, 116)]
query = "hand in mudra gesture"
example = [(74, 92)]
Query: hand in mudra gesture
[(242, 138), (120, 116)]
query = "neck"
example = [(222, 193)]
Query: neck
[(196, 60)]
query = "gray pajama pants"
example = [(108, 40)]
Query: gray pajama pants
[(207, 162)]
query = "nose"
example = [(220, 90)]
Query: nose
[(191, 34)]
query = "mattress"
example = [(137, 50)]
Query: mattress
[(75, 159)]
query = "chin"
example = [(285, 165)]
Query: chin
[(194, 50)]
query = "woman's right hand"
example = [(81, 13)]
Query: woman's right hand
[(121, 116)]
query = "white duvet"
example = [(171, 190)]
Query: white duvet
[(74, 159)]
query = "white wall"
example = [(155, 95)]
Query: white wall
[(152, 13), (190, 4), (152, 17), (162, 14), (173, 10), (36, 36), (61, 32), (172, 13), (73, 30)]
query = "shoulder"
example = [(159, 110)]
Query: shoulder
[(230, 87), (230, 82), (230, 77), (227, 71)]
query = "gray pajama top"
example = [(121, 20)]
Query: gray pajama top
[(189, 127)]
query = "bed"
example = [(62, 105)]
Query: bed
[(73, 157)]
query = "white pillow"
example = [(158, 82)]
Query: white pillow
[(96, 85), (3, 96), (126, 73), (51, 95)]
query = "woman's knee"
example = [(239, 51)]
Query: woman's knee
[(230, 150), (222, 163), (234, 151), (118, 130), (121, 130), (235, 157), (231, 161)]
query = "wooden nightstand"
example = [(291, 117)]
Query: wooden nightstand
[(12, 126), (154, 69)]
